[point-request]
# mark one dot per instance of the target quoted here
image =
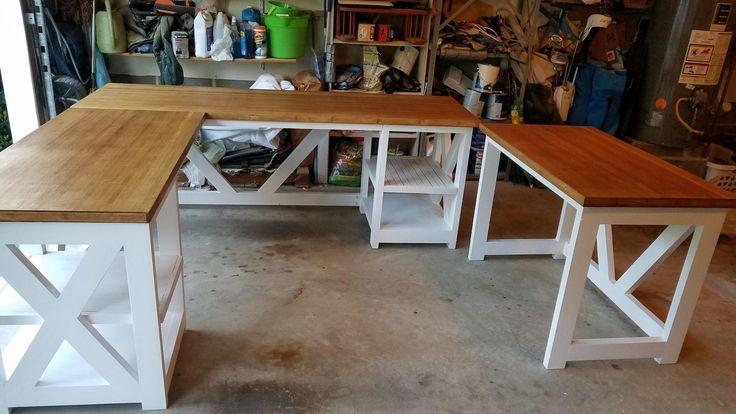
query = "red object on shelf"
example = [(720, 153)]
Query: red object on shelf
[(415, 27), (383, 32)]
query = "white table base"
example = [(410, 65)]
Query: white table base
[(98, 325), (442, 206), (582, 228)]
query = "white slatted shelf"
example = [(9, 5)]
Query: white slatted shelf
[(109, 304), (418, 175)]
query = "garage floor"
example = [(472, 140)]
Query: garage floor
[(290, 310)]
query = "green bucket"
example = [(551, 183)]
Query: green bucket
[(287, 35), (282, 9)]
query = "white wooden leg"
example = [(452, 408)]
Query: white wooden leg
[(378, 187), (604, 244), (484, 201), (144, 308), (691, 280), (364, 178), (323, 159), (571, 289), (461, 153), (167, 224), (564, 228)]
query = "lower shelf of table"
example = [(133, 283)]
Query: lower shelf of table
[(407, 212)]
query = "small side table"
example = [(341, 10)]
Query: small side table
[(606, 182)]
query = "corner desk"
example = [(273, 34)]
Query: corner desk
[(606, 182)]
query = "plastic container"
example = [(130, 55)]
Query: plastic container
[(235, 35), (278, 8), (218, 30), (260, 42), (110, 31), (287, 35), (202, 34), (721, 169), (251, 15)]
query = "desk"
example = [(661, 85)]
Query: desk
[(423, 207), (99, 322), (606, 182)]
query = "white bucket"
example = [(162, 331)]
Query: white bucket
[(487, 75), (404, 58)]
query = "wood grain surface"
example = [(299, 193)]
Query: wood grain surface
[(90, 165), (257, 105), (598, 170)]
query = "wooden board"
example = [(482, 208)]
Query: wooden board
[(598, 170), (317, 107), (95, 166)]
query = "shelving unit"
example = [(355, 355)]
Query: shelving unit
[(415, 199), (414, 30)]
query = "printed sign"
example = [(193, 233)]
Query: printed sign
[(706, 54)]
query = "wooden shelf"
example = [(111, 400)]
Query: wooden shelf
[(395, 43), (418, 175), (408, 212), (198, 59), (385, 10)]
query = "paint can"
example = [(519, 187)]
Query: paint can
[(261, 45), (404, 58), (496, 105), (473, 102)]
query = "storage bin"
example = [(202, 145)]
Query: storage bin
[(287, 35), (721, 169)]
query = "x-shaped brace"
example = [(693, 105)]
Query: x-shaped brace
[(61, 316)]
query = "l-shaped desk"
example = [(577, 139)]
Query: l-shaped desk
[(103, 323)]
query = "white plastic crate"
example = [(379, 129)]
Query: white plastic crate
[(721, 169)]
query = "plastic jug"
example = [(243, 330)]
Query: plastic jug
[(219, 28), (202, 34), (110, 31)]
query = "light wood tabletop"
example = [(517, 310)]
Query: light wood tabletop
[(92, 165), (258, 105), (598, 170)]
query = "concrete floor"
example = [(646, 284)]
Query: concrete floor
[(291, 311)]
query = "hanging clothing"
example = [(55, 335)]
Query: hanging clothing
[(171, 71), (598, 94)]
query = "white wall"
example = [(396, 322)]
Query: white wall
[(15, 67)]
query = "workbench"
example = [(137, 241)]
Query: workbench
[(100, 319), (606, 182), (405, 199)]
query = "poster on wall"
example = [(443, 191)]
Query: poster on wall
[(706, 54)]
